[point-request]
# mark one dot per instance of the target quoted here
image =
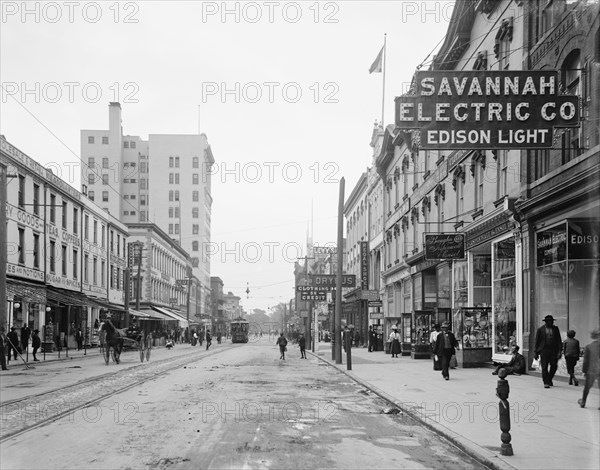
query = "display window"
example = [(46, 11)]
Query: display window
[(505, 296)]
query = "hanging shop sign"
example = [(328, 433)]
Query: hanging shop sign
[(313, 296), (364, 265), (487, 109), (445, 246), (348, 280), (584, 239), (551, 245)]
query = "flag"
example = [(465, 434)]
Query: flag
[(378, 64)]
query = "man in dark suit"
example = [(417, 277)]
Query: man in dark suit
[(548, 348), (444, 348)]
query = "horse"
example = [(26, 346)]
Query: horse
[(113, 339)]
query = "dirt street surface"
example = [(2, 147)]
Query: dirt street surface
[(237, 408)]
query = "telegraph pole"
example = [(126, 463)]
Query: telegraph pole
[(308, 331), (3, 248), (338, 283)]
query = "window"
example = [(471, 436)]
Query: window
[(176, 178), (104, 196), (105, 162), (176, 229), (112, 276), (90, 139), (171, 178), (142, 200), (132, 164), (170, 229), (143, 167), (21, 245), (133, 196), (64, 215), (195, 196), (75, 221), (195, 212), (479, 177), (112, 241), (105, 179), (143, 216), (194, 246), (102, 273), (86, 228), (126, 196), (118, 278), (177, 215), (105, 140), (132, 144), (52, 208), (195, 162), (91, 162), (132, 213), (91, 178), (64, 260), (170, 162), (21, 191), (143, 184), (502, 45), (177, 195), (95, 234), (86, 261), (125, 144), (36, 199), (176, 162), (36, 250), (195, 178), (95, 271), (170, 212), (91, 195), (195, 229), (125, 212), (502, 173), (171, 195), (103, 236), (52, 256)]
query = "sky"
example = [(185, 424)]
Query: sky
[(281, 89)]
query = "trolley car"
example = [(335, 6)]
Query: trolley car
[(239, 331)]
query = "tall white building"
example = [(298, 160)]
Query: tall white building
[(164, 180)]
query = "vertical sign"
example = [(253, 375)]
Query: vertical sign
[(364, 265)]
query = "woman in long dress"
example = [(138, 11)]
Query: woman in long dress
[(395, 340)]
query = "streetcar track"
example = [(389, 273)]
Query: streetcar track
[(48, 395)]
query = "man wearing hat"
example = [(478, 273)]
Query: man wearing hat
[(548, 348), (591, 365), (36, 342), (444, 348), (13, 342)]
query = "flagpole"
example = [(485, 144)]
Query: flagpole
[(384, 60)]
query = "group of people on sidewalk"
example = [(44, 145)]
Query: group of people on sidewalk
[(282, 343), (12, 345)]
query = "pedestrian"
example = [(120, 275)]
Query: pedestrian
[(219, 337), (282, 342), (302, 344), (25, 334), (36, 342), (370, 337), (79, 339), (432, 337), (13, 342), (548, 348), (591, 365), (395, 341), (194, 338), (208, 340), (445, 345), (356, 338), (3, 348), (515, 366), (571, 352)]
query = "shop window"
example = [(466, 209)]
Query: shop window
[(482, 280), (505, 301)]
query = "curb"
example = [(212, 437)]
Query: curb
[(473, 450)]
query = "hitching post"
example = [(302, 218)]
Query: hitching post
[(502, 391)]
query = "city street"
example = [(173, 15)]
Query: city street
[(241, 407)]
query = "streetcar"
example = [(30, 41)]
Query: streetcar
[(239, 331)]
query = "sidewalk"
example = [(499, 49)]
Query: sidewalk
[(548, 428)]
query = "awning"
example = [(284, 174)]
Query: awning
[(25, 292), (154, 315), (182, 321), (137, 313)]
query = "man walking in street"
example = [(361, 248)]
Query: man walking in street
[(302, 344), (282, 342), (548, 348), (36, 342), (444, 348), (208, 340), (591, 365)]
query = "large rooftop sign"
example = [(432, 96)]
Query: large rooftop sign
[(487, 109)]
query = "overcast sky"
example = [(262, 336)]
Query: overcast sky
[(281, 89)]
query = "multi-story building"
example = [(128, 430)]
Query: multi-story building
[(66, 256), (217, 305), (165, 271), (559, 204), (231, 306), (165, 180)]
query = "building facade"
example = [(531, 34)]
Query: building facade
[(165, 180), (66, 256)]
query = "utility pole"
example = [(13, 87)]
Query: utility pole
[(308, 330), (3, 248), (338, 283)]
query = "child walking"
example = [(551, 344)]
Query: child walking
[(571, 352)]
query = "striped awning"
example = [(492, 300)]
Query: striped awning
[(25, 292), (174, 316)]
